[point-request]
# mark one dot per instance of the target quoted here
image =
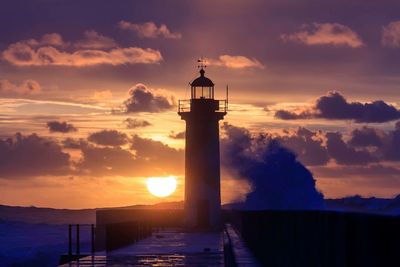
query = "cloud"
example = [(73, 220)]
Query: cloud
[(39, 53), (373, 170), (235, 62), (179, 135), (108, 138), (149, 30), (147, 158), (136, 123), (109, 160), (27, 87), (308, 146), (94, 40), (391, 149), (289, 115), (143, 99), (367, 136), (53, 39), (278, 180), (325, 34), (61, 127), (391, 35), (157, 153), (31, 155), (365, 145), (344, 154), (71, 143), (335, 107)]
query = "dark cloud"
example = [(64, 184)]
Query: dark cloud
[(367, 136), (289, 115), (72, 143), (335, 107), (108, 138), (278, 180), (158, 153), (307, 145), (28, 156), (147, 158), (136, 123), (109, 161), (179, 135), (386, 144), (392, 146), (344, 154), (142, 99), (61, 127)]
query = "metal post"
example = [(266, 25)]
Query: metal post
[(93, 249), (227, 91), (77, 240), (69, 240)]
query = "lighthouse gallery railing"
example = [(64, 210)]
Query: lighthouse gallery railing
[(185, 105)]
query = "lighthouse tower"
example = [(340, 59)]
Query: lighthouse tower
[(202, 161)]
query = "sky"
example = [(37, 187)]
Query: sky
[(88, 93)]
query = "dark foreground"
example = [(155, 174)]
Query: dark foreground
[(319, 238)]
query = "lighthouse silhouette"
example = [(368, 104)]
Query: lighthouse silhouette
[(202, 114)]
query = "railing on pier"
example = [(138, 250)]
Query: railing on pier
[(117, 235), (78, 253), (186, 104), (77, 239), (125, 233)]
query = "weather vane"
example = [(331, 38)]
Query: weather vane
[(202, 63)]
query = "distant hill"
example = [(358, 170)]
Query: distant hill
[(372, 205), (87, 216), (384, 206), (46, 215), (66, 216)]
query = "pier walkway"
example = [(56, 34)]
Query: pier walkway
[(170, 247)]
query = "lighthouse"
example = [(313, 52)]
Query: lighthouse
[(202, 114)]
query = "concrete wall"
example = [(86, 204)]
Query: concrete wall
[(319, 238)]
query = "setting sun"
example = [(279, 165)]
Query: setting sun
[(161, 186)]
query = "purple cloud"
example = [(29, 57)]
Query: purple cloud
[(335, 107), (31, 155), (136, 123), (344, 154), (61, 127), (142, 99), (108, 138)]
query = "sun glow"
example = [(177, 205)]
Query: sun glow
[(161, 186)]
